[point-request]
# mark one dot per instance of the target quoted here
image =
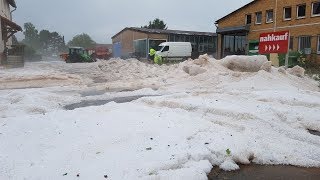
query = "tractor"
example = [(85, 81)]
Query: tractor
[(77, 55)]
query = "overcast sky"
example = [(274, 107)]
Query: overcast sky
[(102, 19)]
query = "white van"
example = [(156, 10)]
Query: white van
[(175, 51)]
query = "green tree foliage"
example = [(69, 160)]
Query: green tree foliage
[(51, 42), (31, 36), (82, 40), (45, 41), (56, 42), (156, 24), (44, 37)]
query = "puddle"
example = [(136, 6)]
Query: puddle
[(101, 92), (249, 172), (92, 93), (317, 133), (87, 103), (99, 80)]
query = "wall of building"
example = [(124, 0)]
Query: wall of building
[(127, 37), (308, 26), (5, 9), (5, 12)]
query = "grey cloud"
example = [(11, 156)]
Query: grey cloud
[(103, 18)]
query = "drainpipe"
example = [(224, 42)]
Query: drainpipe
[(12, 12), (275, 17)]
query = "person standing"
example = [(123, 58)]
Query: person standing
[(152, 53)]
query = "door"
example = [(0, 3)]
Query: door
[(117, 50)]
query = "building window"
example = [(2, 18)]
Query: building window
[(316, 9), (201, 48), (304, 43), (318, 49), (291, 43), (269, 16), (287, 13), (248, 19), (258, 17), (301, 11)]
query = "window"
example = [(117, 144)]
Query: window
[(304, 42), (318, 49), (291, 43), (301, 11), (287, 13), (258, 17), (248, 19), (316, 9), (269, 16), (201, 48), (165, 49)]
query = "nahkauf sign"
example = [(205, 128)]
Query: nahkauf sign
[(274, 42)]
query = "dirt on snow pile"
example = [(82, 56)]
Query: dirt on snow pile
[(202, 71)]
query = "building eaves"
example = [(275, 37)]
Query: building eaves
[(254, 1), (235, 29), (167, 31)]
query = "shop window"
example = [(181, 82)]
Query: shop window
[(287, 13), (258, 17), (188, 39), (212, 44), (194, 47), (318, 49), (201, 48), (304, 43), (301, 11), (140, 48), (269, 16), (180, 38), (171, 38), (291, 43), (248, 19), (316, 9)]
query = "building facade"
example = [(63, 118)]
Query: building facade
[(8, 27), (301, 17), (136, 42)]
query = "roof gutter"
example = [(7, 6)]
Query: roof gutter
[(12, 12)]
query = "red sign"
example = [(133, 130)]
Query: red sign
[(274, 42)]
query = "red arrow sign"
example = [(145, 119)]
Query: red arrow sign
[(274, 42)]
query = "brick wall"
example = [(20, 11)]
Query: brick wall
[(308, 26)]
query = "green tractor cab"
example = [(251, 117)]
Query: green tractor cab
[(78, 55)]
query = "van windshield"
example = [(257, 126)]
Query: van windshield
[(159, 48)]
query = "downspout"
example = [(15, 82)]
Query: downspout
[(12, 12), (275, 17)]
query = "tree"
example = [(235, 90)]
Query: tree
[(156, 24), (51, 42), (44, 37), (82, 40), (31, 36)]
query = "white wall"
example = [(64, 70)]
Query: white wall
[(5, 12), (5, 9)]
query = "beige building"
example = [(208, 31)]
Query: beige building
[(301, 17), (8, 27), (136, 42)]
